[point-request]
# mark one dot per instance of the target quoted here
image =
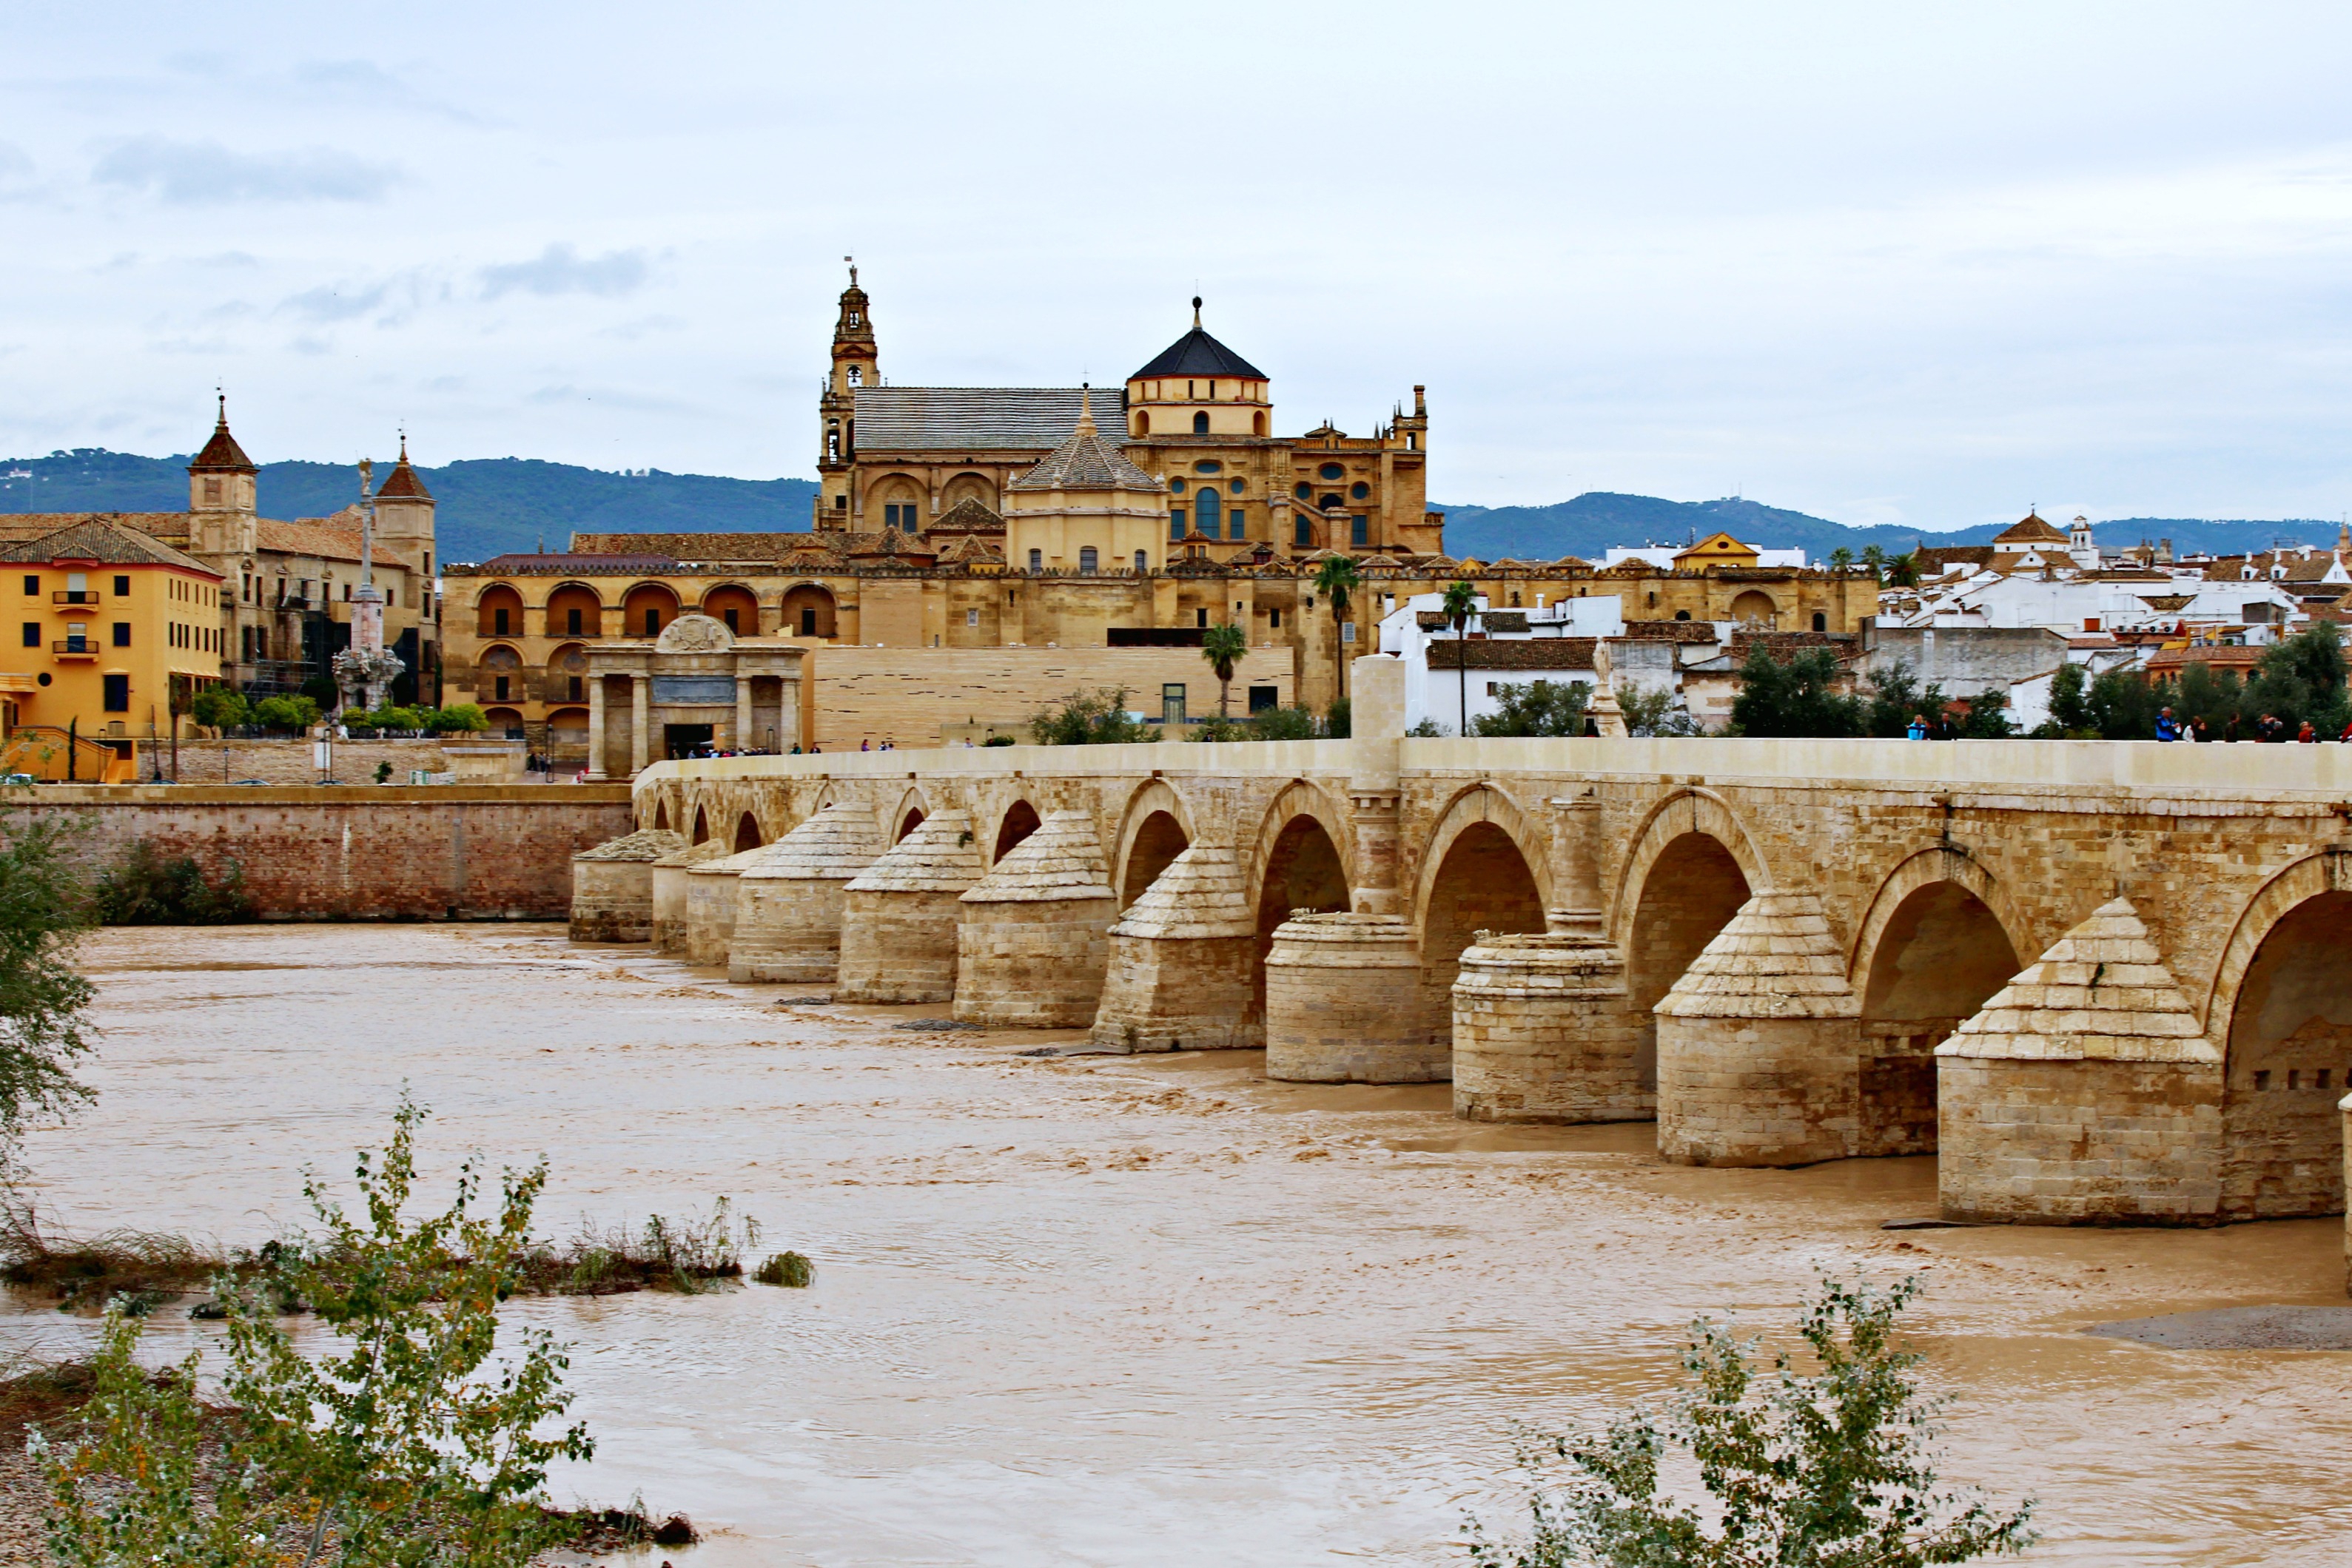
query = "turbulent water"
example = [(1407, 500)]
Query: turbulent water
[(1141, 1310)]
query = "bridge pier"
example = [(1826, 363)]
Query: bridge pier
[(1760, 1044), (1033, 939), (2085, 1093), (898, 916), (669, 889), (1542, 1033), (1344, 1004), (710, 906), (788, 902), (1178, 975), (613, 886)]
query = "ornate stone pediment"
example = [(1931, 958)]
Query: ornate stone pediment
[(693, 633)]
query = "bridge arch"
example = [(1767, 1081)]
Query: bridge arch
[(747, 833), (1693, 864), (1015, 822), (1936, 945), (908, 814), (1298, 860), (1483, 869), (661, 811), (701, 826), (2281, 1007), (1156, 826)]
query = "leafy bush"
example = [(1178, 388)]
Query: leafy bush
[(791, 1270), (324, 695), (1285, 723), (406, 1443), (2301, 679), (1427, 729), (285, 713), (43, 1000), (458, 718), (999, 740), (146, 889), (1537, 707), (1339, 718), (219, 707), (1091, 718), (1219, 728), (1826, 1467)]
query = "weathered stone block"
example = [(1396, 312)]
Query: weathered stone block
[(1033, 940), (613, 889), (1343, 1004), (1542, 1032), (1180, 964)]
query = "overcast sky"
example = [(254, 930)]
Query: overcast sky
[(1884, 264)]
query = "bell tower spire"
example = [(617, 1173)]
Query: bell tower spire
[(856, 359)]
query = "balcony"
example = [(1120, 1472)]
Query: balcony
[(75, 648), (74, 596)]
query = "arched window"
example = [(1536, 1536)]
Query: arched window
[(1200, 424), (1142, 424), (1206, 510), (856, 376), (1037, 560), (1820, 622), (1089, 561), (1257, 425), (1142, 560)]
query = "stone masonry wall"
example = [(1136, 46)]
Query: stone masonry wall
[(363, 851)]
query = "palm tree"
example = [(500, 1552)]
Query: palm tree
[(1337, 577), (1461, 606), (1840, 559), (1874, 557), (1223, 646)]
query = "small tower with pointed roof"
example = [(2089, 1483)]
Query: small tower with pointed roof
[(1085, 508), (404, 513), (855, 363), (1196, 386), (221, 496)]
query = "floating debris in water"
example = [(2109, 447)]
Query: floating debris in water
[(935, 1026)]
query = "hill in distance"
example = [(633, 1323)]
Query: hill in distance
[(491, 506)]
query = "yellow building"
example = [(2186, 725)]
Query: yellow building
[(111, 631), (1086, 507)]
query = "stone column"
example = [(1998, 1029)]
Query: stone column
[(1343, 1004), (1575, 863), (1542, 1032), (1760, 1044), (788, 712), (744, 739), (595, 726), (640, 720)]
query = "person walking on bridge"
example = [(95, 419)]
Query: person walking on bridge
[(1918, 728), (2167, 726)]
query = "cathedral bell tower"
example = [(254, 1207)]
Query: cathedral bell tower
[(221, 494), (853, 366)]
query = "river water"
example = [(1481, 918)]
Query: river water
[(1140, 1311)]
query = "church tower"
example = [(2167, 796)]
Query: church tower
[(221, 494), (855, 359), (404, 513)]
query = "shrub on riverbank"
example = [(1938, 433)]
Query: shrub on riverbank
[(43, 1000), (146, 889), (1819, 1468)]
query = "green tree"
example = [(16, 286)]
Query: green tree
[(1338, 719), (458, 718), (285, 713), (1825, 1466), (1224, 645), (1336, 579), (1840, 559), (2123, 705), (2301, 679), (1903, 570), (1874, 557), (44, 1000), (1293, 723), (1091, 718), (1988, 718), (218, 707), (1461, 608), (1650, 711), (2070, 707), (404, 1446), (2213, 696), (1537, 707), (1798, 699), (1895, 697)]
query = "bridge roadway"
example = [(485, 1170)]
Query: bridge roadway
[(2111, 982)]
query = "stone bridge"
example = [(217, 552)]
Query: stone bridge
[(2112, 982)]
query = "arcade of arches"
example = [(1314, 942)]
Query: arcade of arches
[(1849, 964)]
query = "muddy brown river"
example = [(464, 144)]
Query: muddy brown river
[(1140, 1311)]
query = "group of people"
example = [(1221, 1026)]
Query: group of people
[(2268, 727)]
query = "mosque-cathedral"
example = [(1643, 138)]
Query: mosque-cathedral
[(1032, 522)]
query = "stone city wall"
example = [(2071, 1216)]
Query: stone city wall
[(358, 851)]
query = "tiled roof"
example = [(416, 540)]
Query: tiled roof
[(1516, 653), (105, 542), (222, 453), (966, 517), (704, 547), (1503, 621), (1087, 461), (402, 482), (991, 419), (1198, 354), (1670, 631), (17, 526), (525, 564), (2029, 529), (321, 539), (970, 549)]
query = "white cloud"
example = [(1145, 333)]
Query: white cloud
[(559, 269), (204, 173)]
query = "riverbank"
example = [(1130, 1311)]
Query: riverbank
[(1138, 1310)]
